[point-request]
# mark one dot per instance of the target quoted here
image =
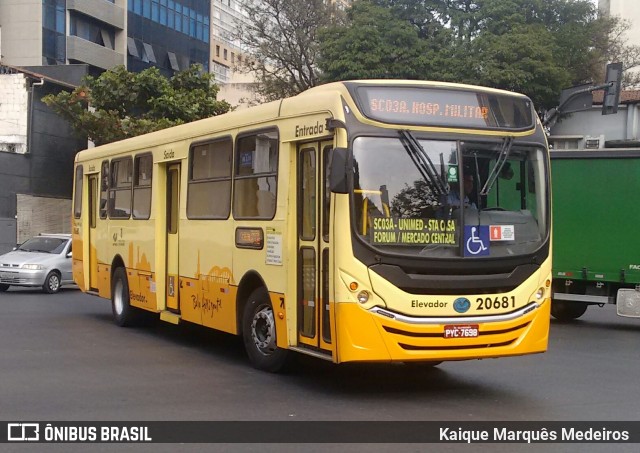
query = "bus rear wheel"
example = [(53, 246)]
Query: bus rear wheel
[(259, 333), (564, 310), (124, 314)]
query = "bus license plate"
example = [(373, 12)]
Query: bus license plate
[(465, 331)]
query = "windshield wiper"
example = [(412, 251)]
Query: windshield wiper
[(422, 161), (502, 159)]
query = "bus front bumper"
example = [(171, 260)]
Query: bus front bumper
[(366, 336)]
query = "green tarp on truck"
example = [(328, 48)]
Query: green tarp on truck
[(596, 231)]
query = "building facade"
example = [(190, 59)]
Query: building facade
[(49, 45), (58, 32), (589, 129), (627, 10), (37, 150), (169, 34), (227, 52)]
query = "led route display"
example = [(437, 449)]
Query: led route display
[(426, 106)]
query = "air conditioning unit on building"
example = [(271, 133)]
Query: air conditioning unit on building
[(594, 142)]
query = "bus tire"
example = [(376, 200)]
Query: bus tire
[(564, 310), (3, 287), (124, 315), (259, 333)]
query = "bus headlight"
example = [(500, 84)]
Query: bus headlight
[(363, 297), (540, 293)]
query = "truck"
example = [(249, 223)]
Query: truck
[(596, 239)]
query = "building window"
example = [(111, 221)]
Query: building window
[(148, 54), (92, 30), (132, 47), (173, 61), (54, 31), (175, 15)]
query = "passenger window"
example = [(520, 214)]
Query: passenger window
[(142, 187), (120, 189), (104, 189), (209, 190), (77, 194), (255, 179)]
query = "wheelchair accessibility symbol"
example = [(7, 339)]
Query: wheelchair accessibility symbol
[(476, 240)]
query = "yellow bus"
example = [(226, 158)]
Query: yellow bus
[(332, 223)]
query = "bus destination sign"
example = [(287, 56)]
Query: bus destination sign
[(447, 108)]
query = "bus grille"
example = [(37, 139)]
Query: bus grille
[(435, 341)]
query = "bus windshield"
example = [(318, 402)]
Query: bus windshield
[(449, 198)]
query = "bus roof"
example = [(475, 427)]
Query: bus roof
[(266, 112)]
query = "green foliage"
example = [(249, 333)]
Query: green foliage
[(537, 47), (120, 104), (375, 45)]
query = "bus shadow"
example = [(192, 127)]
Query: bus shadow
[(364, 380), (380, 380), (620, 325)]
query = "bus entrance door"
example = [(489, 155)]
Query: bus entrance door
[(314, 314), (93, 214), (173, 203)]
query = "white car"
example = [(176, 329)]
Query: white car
[(42, 261)]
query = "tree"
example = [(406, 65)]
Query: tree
[(520, 60), (282, 41), (611, 46), (374, 45), (537, 47), (120, 104)]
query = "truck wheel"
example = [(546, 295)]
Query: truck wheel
[(3, 287), (51, 283), (124, 314), (259, 333), (564, 310)]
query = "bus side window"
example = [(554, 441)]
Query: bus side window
[(77, 195), (104, 189), (255, 176), (143, 169), (209, 189), (120, 188)]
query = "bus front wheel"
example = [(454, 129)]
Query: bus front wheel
[(123, 313), (259, 333)]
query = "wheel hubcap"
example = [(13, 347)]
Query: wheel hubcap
[(263, 331), (118, 303), (54, 283)]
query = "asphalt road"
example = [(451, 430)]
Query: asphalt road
[(61, 358)]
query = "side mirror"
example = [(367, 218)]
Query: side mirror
[(70, 255), (338, 170)]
